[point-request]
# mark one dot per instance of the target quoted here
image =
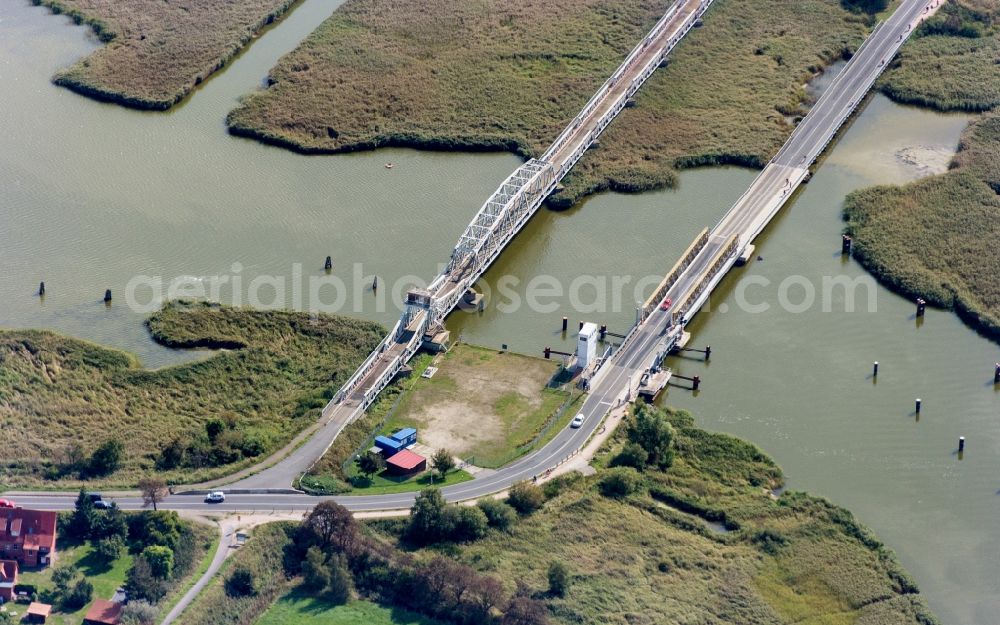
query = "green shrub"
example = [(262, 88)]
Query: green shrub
[(241, 583), (525, 497), (620, 482), (499, 515)]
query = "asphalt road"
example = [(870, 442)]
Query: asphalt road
[(768, 192)]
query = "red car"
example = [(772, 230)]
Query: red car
[(6, 503), (667, 303)]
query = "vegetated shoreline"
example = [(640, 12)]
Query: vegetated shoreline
[(320, 100), (901, 255), (898, 229), (274, 373), (107, 34), (639, 545)]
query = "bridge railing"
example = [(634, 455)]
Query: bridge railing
[(627, 94), (726, 253), (831, 92), (602, 92), (675, 272), (367, 365)]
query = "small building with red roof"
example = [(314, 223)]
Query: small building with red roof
[(406, 462), (8, 579), (28, 536), (38, 612), (103, 612)]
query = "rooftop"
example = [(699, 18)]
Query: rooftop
[(406, 460), (104, 612)]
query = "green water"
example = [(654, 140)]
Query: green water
[(94, 195)]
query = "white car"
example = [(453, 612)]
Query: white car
[(215, 497), (577, 421)]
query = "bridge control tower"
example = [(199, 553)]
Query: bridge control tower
[(586, 346)]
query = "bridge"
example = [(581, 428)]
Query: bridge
[(498, 221), (688, 284)]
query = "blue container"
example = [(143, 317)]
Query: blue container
[(406, 436), (388, 444)]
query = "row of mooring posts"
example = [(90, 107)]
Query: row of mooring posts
[(328, 266), (918, 403)]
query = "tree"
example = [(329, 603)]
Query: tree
[(141, 583), (110, 548), (62, 577), (338, 589), (331, 525), (558, 579), (427, 517), (107, 458), (82, 521), (650, 430), (525, 497), (154, 490), (315, 571), (620, 482), (467, 523), (632, 455), (499, 515), (161, 560), (80, 595), (109, 523), (139, 612), (241, 583), (370, 463), (525, 611), (147, 528), (443, 462), (484, 593)]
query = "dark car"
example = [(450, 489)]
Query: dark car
[(100, 504)]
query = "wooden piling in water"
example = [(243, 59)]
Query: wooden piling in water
[(107, 295), (41, 291)]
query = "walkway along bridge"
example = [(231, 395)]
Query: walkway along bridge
[(688, 284)]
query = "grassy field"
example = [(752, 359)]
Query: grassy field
[(937, 237), (951, 63), (156, 52), (297, 608), (487, 406), (262, 556), (652, 557), (446, 74), (481, 403), (704, 541), (58, 394)]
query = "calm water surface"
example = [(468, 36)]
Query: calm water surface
[(94, 195)]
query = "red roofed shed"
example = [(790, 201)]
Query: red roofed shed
[(103, 612), (405, 463)]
